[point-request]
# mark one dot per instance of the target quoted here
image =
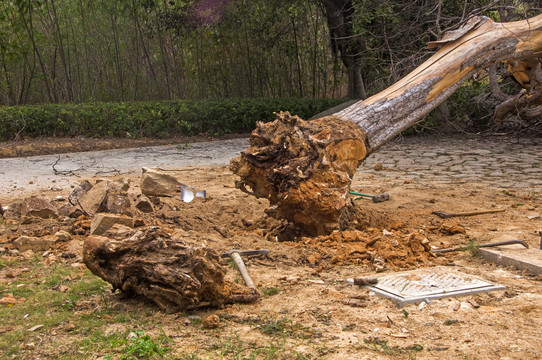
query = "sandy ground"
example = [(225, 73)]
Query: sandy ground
[(321, 315)]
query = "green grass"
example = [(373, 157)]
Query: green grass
[(79, 309), (233, 347), (270, 291), (380, 345), (140, 346)]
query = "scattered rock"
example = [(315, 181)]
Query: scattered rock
[(117, 203), (62, 235), (211, 322), (121, 185), (158, 183), (378, 166), (92, 200), (37, 207), (66, 209), (79, 191), (13, 211), (9, 299), (144, 204), (533, 216), (75, 212), (104, 221), (25, 243)]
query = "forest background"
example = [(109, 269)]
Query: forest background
[(89, 52)]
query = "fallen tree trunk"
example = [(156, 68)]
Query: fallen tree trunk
[(305, 168), (173, 274)]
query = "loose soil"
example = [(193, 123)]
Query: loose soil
[(307, 310)]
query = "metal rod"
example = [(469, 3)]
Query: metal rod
[(500, 243)]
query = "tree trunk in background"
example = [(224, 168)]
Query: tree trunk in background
[(305, 168), (344, 41)]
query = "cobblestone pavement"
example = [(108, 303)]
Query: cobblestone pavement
[(496, 161), (500, 162)]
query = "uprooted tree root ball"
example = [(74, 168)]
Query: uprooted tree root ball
[(172, 273), (303, 168)]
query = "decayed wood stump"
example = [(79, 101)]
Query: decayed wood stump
[(305, 168), (171, 273)]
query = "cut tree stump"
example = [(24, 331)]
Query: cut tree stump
[(305, 168), (173, 274)]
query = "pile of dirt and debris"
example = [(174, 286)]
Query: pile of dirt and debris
[(376, 248), (126, 221)]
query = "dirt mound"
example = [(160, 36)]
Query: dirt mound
[(373, 247)]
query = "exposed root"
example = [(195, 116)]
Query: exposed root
[(171, 273)]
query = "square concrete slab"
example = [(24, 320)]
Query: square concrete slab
[(429, 284), (520, 258)]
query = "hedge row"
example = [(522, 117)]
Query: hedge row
[(158, 119)]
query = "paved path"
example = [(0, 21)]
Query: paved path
[(496, 161), (37, 172)]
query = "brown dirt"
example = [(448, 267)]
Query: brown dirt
[(326, 317)]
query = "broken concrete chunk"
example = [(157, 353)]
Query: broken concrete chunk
[(143, 204), (117, 203), (158, 183), (121, 185), (92, 200), (65, 209), (38, 207), (25, 243), (13, 211), (104, 221), (79, 191)]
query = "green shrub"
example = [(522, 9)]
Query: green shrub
[(158, 119)]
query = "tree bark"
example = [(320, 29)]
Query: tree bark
[(305, 168), (175, 275), (344, 41)]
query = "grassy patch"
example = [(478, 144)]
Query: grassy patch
[(139, 346), (70, 305), (381, 345), (270, 291)]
